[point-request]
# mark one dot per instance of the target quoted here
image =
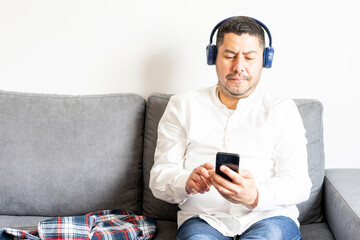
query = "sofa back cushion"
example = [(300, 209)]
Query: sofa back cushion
[(311, 113), (152, 206), (69, 155)]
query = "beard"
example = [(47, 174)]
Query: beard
[(235, 92)]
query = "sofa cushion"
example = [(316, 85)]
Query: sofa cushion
[(341, 202), (166, 230), (69, 155), (152, 206), (316, 231), (27, 223), (311, 113)]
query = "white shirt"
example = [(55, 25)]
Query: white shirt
[(266, 132)]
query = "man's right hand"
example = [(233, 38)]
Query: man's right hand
[(199, 179)]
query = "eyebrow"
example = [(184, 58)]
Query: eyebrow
[(229, 51), (250, 52), (245, 53)]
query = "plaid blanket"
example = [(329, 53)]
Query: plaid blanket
[(101, 225)]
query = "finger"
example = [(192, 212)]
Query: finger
[(229, 191), (218, 181), (202, 172), (226, 193), (201, 182), (195, 188), (204, 184), (230, 173), (191, 184), (208, 166)]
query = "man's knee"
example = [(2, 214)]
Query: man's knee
[(275, 231), (276, 228)]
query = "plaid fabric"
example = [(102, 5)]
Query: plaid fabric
[(101, 225)]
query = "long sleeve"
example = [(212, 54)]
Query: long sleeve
[(167, 176), (290, 184)]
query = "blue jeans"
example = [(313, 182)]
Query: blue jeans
[(275, 228)]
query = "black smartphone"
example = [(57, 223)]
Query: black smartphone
[(231, 160)]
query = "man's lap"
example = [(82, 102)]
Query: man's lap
[(271, 228), (196, 228)]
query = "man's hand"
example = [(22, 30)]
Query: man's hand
[(199, 179), (241, 191)]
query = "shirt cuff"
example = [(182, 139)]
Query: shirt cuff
[(179, 188), (265, 196)]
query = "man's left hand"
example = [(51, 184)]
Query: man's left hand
[(242, 190)]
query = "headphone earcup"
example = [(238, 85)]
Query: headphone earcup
[(211, 52), (268, 57)]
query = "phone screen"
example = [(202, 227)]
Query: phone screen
[(231, 160)]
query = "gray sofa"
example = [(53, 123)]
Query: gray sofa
[(71, 155)]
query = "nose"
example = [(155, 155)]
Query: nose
[(239, 64)]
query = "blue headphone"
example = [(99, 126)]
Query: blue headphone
[(211, 50)]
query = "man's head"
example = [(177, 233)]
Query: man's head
[(240, 43), (240, 25)]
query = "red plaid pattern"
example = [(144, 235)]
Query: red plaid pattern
[(101, 225)]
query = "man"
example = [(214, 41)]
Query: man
[(236, 117)]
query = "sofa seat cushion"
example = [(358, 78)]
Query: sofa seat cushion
[(27, 223), (70, 155), (316, 231), (166, 230)]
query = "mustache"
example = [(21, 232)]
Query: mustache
[(238, 75)]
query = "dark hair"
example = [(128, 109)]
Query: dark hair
[(239, 26)]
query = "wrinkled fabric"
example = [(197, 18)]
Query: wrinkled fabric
[(107, 224), (268, 134)]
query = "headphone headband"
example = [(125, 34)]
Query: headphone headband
[(268, 52)]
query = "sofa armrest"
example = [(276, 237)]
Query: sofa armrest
[(342, 202)]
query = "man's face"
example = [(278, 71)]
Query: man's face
[(238, 65)]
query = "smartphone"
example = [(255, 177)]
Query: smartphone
[(231, 160)]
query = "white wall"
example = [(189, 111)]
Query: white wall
[(93, 47)]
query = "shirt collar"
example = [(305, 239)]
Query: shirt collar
[(244, 101)]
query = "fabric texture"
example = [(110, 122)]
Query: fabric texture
[(107, 224), (71, 154), (268, 134)]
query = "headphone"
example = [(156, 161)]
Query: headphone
[(211, 50)]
